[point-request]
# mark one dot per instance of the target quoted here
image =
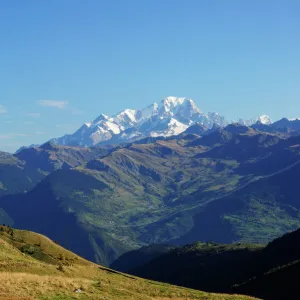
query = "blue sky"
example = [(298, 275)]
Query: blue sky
[(63, 62)]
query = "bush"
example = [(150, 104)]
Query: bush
[(61, 268)]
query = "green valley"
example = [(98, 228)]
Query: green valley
[(173, 191)]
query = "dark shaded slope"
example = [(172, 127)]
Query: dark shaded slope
[(135, 258), (269, 272), (207, 266), (279, 270), (39, 210), (281, 283)]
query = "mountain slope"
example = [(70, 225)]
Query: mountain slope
[(56, 219), (16, 176), (22, 171), (34, 267), (287, 124), (132, 259), (268, 272), (207, 266), (19, 173), (50, 157), (164, 191), (257, 212), (279, 278)]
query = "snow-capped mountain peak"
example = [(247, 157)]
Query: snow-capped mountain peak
[(178, 106), (264, 119), (172, 101), (171, 116)]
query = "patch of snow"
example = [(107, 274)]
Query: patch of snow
[(173, 127), (125, 116), (116, 129), (149, 111)]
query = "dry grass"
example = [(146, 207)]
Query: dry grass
[(113, 286), (24, 284)]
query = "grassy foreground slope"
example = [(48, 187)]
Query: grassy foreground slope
[(34, 267)]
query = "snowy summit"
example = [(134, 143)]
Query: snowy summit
[(264, 119), (171, 116)]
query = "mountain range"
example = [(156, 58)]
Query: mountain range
[(172, 116), (218, 184)]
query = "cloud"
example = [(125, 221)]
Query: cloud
[(5, 136), (3, 110), (33, 115), (54, 103), (57, 104), (76, 111), (9, 136), (13, 137)]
